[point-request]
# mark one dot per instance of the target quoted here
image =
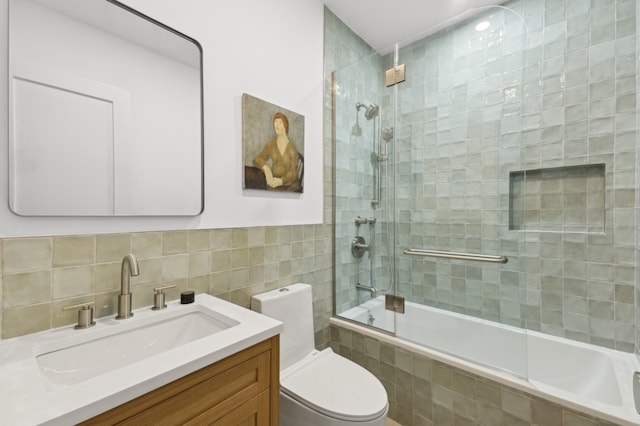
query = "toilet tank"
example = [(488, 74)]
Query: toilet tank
[(293, 305)]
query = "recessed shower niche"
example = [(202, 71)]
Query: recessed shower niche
[(558, 199)]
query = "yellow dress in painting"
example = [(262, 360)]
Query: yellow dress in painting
[(283, 165)]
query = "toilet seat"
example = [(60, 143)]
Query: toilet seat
[(335, 387)]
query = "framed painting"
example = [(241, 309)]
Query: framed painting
[(272, 147)]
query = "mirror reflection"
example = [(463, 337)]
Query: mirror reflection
[(105, 112)]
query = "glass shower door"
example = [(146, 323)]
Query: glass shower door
[(364, 221), (506, 140), (423, 245), (459, 132)]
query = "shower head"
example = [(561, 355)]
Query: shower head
[(371, 111)]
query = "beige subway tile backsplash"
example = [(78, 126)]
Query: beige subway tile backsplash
[(256, 275), (42, 275), (220, 282), (107, 276), (73, 281), (257, 237), (112, 247), (239, 238), (199, 263), (28, 288), (271, 236), (220, 260), (284, 235), (25, 320), (239, 258), (27, 254), (199, 240), (297, 233), (73, 250), (150, 272), (175, 242), (220, 239), (200, 284), (147, 244), (256, 256), (175, 267), (238, 278)]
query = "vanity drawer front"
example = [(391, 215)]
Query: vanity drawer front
[(254, 412), (208, 395), (213, 397)]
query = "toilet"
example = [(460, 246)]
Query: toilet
[(317, 388)]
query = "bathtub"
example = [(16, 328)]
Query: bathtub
[(587, 378)]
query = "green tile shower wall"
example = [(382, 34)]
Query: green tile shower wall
[(475, 107), (357, 79), (558, 199), (505, 101), (41, 275)]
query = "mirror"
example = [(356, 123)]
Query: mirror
[(105, 115)]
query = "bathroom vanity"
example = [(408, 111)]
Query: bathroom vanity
[(241, 389), (206, 362)]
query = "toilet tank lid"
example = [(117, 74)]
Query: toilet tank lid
[(277, 293), (336, 387)]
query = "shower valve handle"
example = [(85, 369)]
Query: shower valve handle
[(359, 246)]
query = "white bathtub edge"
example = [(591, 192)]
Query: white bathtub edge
[(492, 374)]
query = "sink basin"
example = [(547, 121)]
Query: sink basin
[(64, 376), (79, 362)]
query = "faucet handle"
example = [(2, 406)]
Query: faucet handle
[(85, 314), (159, 297)]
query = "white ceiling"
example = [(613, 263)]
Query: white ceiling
[(114, 19), (382, 23)]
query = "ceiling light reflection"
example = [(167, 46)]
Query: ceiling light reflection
[(483, 25)]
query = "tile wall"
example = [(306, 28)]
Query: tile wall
[(424, 391), (548, 85), (40, 275), (575, 80), (558, 199)]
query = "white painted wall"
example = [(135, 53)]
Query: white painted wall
[(269, 49)]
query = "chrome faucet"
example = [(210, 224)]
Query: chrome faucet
[(129, 268)]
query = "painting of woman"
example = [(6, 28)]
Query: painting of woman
[(276, 165), (279, 158)]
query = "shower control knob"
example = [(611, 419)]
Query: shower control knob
[(359, 246)]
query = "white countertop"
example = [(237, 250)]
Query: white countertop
[(25, 399)]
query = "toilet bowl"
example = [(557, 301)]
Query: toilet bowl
[(317, 388)]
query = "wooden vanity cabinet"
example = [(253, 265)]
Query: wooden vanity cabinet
[(242, 389)]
